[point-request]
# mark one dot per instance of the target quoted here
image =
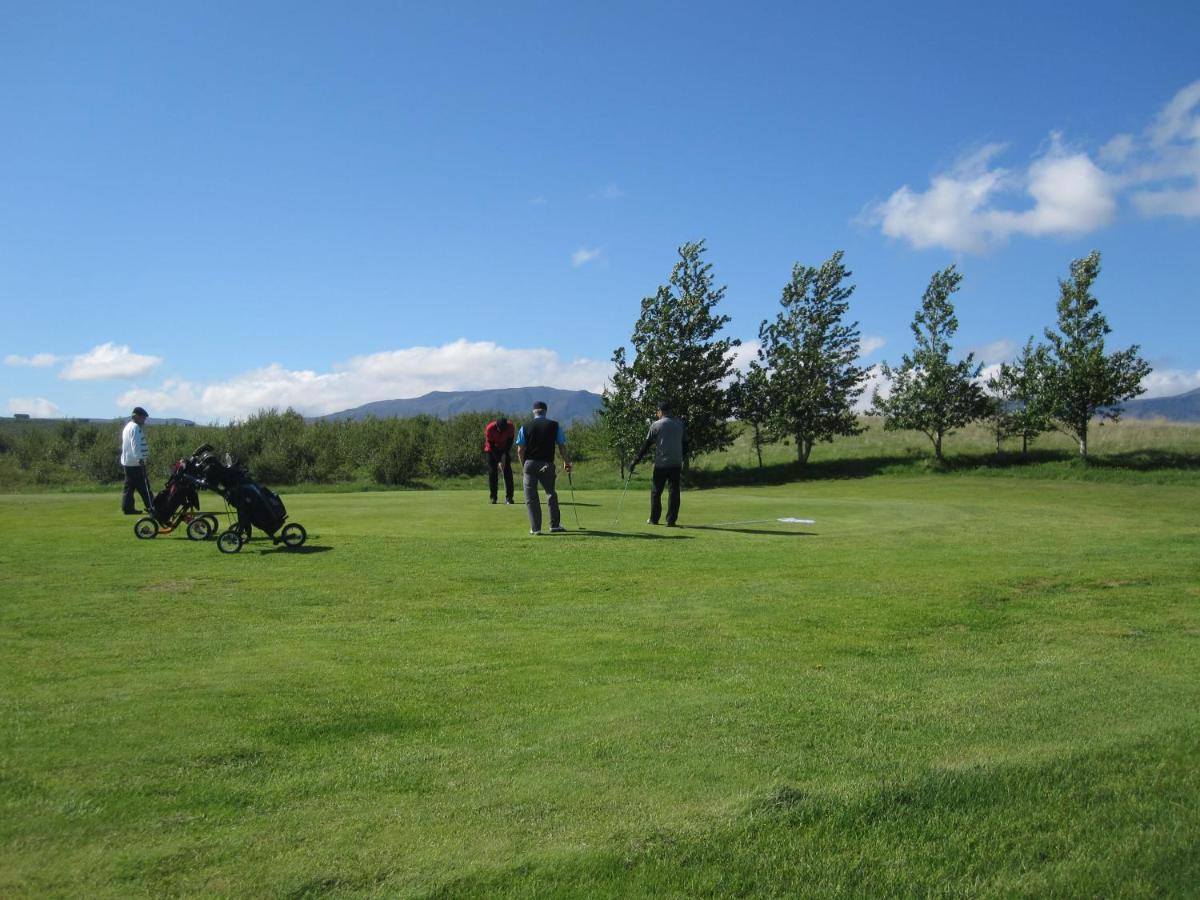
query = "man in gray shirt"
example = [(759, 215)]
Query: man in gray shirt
[(670, 444)]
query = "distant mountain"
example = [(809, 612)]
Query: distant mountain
[(92, 421), (1180, 408), (565, 406)]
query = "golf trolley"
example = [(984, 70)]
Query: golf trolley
[(248, 505), (255, 505), (178, 505)]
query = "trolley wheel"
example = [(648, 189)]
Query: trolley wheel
[(229, 542), (199, 529), (145, 528), (213, 525), (293, 535)]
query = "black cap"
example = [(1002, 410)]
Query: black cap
[(540, 404), (138, 411), (664, 406), (502, 422)]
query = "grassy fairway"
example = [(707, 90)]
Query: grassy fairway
[(948, 685)]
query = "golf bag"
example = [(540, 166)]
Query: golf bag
[(177, 498), (256, 505)]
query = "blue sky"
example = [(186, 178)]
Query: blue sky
[(213, 208)]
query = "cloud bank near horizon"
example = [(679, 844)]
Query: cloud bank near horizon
[(411, 372), (976, 205)]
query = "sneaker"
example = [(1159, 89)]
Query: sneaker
[(493, 500), (508, 501), (651, 522), (557, 529), (131, 512), (670, 524), (534, 532)]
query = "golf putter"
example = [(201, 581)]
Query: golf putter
[(574, 505)]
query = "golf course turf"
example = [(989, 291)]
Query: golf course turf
[(946, 686)]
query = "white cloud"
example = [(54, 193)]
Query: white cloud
[(1169, 382), (875, 381), (952, 213), (999, 351), (584, 255), (869, 344), (976, 205), (1169, 162), (37, 361), (1069, 193), (411, 372), (37, 407), (1118, 149), (108, 361), (742, 355)]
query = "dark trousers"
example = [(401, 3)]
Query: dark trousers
[(667, 477), (537, 472), (498, 460), (135, 480)]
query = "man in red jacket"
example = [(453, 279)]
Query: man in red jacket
[(498, 437)]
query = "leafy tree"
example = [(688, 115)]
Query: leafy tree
[(1016, 389), (750, 401), (623, 414), (810, 353), (679, 356), (1079, 380), (930, 393)]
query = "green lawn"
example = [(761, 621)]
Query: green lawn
[(949, 685)]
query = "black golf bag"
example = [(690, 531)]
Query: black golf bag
[(256, 505), (177, 497)]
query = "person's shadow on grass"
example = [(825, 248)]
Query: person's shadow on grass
[(774, 532), (596, 532)]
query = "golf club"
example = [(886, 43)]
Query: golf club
[(621, 502), (574, 505)]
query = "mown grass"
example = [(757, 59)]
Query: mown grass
[(947, 686)]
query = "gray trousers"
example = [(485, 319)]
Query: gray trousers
[(532, 473)]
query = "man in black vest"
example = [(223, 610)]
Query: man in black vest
[(535, 449)]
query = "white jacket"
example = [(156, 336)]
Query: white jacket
[(134, 448)]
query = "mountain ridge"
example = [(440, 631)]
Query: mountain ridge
[(564, 406), (1183, 407)]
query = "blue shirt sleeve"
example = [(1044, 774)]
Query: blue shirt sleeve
[(521, 437), (562, 437)]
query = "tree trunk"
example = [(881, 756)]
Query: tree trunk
[(937, 446), (758, 445), (804, 448)]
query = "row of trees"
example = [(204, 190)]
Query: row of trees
[(279, 447), (806, 381)]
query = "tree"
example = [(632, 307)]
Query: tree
[(930, 393), (680, 358), (750, 401), (1016, 389), (810, 353), (1080, 381), (622, 414)]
